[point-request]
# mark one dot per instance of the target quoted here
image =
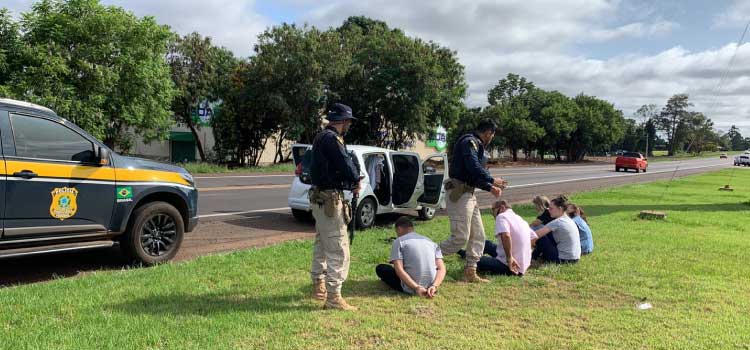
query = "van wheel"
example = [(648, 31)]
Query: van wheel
[(302, 215), (154, 234), (426, 213), (366, 211)]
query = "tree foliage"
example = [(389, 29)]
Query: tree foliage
[(200, 72), (98, 66)]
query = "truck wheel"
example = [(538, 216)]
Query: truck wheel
[(366, 211), (644, 170), (302, 215), (426, 213), (617, 169), (154, 234)]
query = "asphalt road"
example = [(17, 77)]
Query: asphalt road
[(221, 196), (240, 212)]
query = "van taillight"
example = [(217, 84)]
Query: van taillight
[(298, 170)]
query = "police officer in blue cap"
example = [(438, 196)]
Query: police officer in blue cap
[(467, 173), (331, 171)]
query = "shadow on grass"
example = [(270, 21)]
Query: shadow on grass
[(33, 269), (212, 304)]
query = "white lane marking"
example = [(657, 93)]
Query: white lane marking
[(611, 176), (238, 176), (244, 212)]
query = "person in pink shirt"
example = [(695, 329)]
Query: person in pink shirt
[(513, 251)]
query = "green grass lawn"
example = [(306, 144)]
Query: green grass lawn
[(209, 168), (692, 267)]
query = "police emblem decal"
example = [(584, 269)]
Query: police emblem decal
[(64, 204)]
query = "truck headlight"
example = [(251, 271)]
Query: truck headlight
[(189, 178)]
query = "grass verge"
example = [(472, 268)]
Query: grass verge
[(691, 267), (208, 168)]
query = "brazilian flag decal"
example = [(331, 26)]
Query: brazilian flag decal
[(124, 194)]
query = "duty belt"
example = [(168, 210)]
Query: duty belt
[(457, 189)]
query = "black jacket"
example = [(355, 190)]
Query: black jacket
[(466, 164), (331, 167)]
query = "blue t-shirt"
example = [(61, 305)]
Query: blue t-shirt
[(587, 240)]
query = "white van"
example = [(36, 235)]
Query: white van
[(394, 181)]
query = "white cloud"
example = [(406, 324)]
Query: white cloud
[(538, 38), (233, 24), (737, 14), (543, 40)]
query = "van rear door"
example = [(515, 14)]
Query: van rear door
[(435, 169), (408, 183)]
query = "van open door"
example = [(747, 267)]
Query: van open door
[(302, 155), (298, 152), (435, 169), (407, 184)]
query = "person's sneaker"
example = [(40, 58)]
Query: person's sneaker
[(461, 253)]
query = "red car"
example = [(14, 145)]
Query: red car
[(631, 160)]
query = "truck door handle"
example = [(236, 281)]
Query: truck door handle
[(26, 174)]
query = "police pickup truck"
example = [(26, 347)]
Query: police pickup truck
[(63, 190)]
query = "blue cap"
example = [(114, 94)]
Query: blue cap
[(339, 112)]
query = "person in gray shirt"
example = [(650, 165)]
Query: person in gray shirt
[(558, 241), (418, 267)]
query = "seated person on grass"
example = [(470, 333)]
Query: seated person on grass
[(558, 241), (512, 254), (541, 204), (584, 231), (418, 266)]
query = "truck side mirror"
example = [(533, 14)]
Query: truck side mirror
[(103, 156)]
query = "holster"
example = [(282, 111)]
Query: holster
[(457, 189), (347, 211), (327, 199)]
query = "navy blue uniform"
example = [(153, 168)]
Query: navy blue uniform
[(331, 164), (466, 165)]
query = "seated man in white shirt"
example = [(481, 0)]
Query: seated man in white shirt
[(514, 236), (418, 266)]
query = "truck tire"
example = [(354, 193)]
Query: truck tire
[(426, 213), (644, 169), (154, 234), (617, 169), (366, 211)]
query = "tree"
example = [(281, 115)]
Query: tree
[(558, 118), (598, 125), (511, 89), (99, 66), (200, 74), (517, 130), (648, 113), (291, 67), (243, 125), (510, 107), (672, 119), (400, 87), (10, 51), (736, 141)]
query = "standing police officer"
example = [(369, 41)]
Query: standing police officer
[(467, 174), (332, 171)]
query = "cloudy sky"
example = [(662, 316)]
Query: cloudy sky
[(629, 52)]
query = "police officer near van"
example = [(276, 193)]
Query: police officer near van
[(467, 173), (332, 171)]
